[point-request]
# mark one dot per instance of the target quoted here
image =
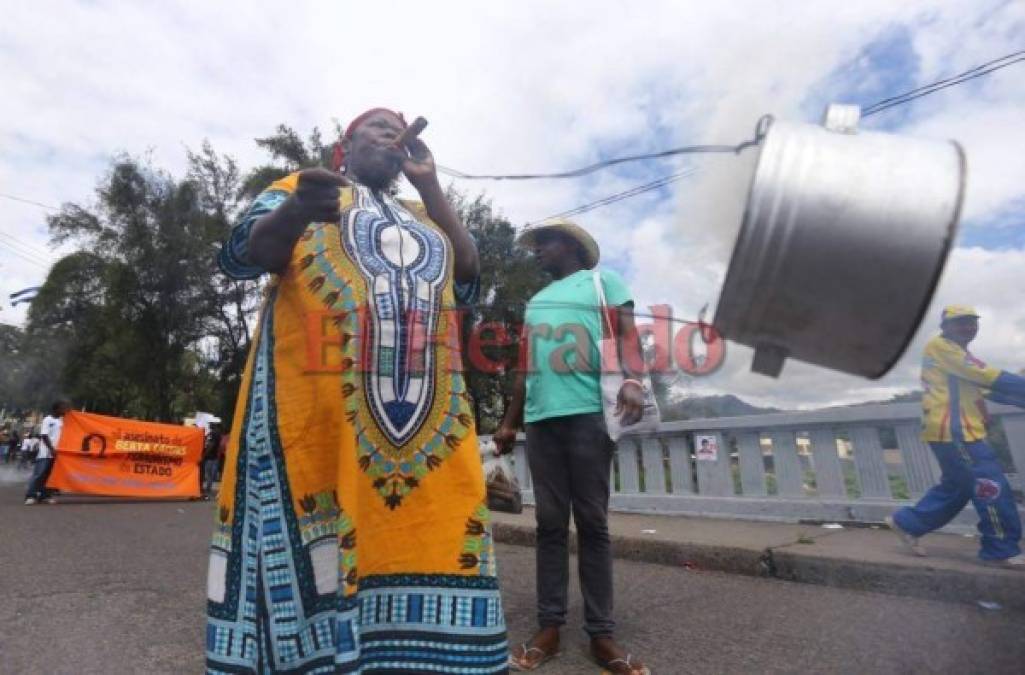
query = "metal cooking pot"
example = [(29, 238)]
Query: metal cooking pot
[(843, 240)]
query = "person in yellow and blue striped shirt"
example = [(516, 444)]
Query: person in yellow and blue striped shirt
[(954, 421)]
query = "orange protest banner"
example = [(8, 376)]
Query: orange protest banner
[(115, 457)]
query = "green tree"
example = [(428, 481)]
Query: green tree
[(508, 278), (230, 305), (289, 153), (137, 321), (16, 369), (72, 337)]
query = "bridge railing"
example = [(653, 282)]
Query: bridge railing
[(854, 463)]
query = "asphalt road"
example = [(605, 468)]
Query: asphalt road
[(120, 588)]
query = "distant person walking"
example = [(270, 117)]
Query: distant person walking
[(222, 452), (5, 445), (954, 421), (14, 439), (29, 446), (49, 436), (211, 448)]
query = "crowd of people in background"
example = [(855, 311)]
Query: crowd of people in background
[(19, 447), (10, 445), (16, 448), (25, 446)]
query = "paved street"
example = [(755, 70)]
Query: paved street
[(119, 588)]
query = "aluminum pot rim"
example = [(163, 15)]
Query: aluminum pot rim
[(941, 264), (743, 234)]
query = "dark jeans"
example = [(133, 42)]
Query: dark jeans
[(37, 484), (209, 475), (570, 460)]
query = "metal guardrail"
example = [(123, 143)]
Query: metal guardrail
[(854, 463)]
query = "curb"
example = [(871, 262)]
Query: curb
[(927, 583), (692, 556), (785, 563)]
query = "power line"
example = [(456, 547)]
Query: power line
[(19, 246), (878, 106), (32, 261), (619, 196), (23, 256), (27, 247), (946, 80), (971, 74), (29, 201), (760, 130), (591, 168)]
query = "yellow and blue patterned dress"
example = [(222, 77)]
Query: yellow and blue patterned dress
[(351, 532)]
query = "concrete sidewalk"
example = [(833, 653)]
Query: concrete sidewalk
[(870, 559)]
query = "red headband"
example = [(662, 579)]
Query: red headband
[(338, 155)]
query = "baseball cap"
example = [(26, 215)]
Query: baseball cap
[(958, 312)]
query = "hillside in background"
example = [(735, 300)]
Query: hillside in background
[(726, 405)]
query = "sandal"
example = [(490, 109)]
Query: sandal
[(624, 667), (522, 663)]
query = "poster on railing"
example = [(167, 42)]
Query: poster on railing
[(116, 457), (706, 448)]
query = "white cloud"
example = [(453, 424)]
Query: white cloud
[(518, 86), (990, 132)]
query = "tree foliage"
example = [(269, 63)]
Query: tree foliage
[(138, 321), (288, 153), (508, 278)]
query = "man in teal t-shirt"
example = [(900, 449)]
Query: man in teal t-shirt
[(564, 329), (558, 396)]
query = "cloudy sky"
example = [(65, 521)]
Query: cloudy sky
[(535, 86)]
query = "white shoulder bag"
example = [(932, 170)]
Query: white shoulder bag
[(612, 378)]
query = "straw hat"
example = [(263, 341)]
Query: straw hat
[(571, 230)]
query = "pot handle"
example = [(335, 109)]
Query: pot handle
[(842, 118)]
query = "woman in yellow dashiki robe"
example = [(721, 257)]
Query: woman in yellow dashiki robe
[(351, 532)]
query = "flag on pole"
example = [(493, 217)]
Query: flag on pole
[(24, 295)]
